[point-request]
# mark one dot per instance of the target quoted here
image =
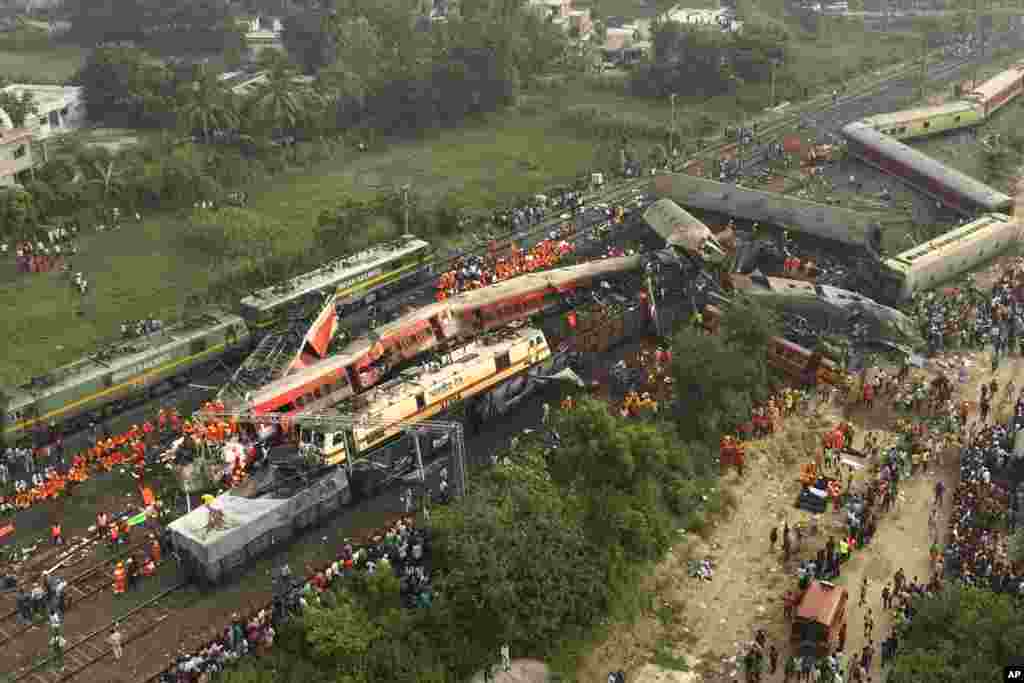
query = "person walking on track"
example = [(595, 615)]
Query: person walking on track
[(115, 643)]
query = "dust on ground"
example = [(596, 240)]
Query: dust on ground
[(711, 625)]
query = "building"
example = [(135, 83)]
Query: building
[(15, 155), (61, 109), (558, 10), (263, 33), (722, 19), (243, 83)]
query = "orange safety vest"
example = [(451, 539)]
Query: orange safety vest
[(55, 531)]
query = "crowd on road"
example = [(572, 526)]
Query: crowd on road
[(402, 548)]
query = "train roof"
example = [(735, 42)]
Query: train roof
[(997, 83), (907, 115), (334, 272), (434, 379), (676, 225), (123, 359), (965, 234), (557, 278), (978, 192), (854, 228)]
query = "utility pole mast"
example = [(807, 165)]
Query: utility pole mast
[(672, 134), (774, 64), (405, 201)]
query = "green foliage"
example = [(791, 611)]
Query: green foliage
[(494, 597), (233, 234), (719, 378), (342, 637), (17, 213), (18, 108), (963, 634), (161, 24)]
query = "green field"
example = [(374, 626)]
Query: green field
[(29, 55), (145, 270)]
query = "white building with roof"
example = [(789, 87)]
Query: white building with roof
[(723, 19), (15, 155), (61, 109)]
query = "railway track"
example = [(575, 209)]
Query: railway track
[(82, 587), (93, 647)]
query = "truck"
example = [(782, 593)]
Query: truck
[(819, 620)]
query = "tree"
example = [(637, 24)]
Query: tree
[(207, 104), (719, 378), (962, 634), (18, 108), (342, 636), (278, 102), (548, 581), (17, 213)]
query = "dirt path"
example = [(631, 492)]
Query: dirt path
[(712, 624)]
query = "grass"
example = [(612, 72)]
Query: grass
[(145, 270), (29, 54)]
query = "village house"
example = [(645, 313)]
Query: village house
[(15, 155), (61, 109)]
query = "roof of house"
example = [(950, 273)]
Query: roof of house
[(48, 97), (9, 136)]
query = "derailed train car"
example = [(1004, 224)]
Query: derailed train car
[(946, 257), (954, 189), (212, 551), (842, 226)]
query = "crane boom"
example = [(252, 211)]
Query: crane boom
[(453, 430)]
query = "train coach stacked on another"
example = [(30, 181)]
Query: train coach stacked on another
[(136, 369)]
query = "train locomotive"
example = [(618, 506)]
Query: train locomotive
[(136, 369)]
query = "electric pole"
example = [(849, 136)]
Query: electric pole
[(924, 60), (774, 64), (405, 201), (672, 134)]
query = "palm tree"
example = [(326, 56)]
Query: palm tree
[(279, 102), (208, 104)]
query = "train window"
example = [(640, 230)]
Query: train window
[(926, 124), (957, 119), (318, 392), (421, 402), (503, 362)]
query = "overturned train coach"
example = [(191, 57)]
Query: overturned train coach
[(841, 226), (952, 188)]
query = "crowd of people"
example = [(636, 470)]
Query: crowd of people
[(46, 473), (475, 272), (47, 253), (402, 548)]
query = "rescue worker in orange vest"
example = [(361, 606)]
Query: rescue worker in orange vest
[(56, 534), (120, 579), (154, 550), (114, 534), (161, 420), (148, 567), (147, 429)]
